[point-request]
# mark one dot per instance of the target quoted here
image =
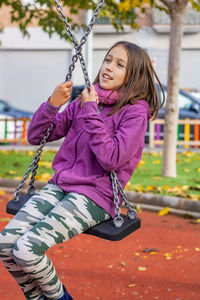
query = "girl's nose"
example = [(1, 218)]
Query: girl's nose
[(109, 68)]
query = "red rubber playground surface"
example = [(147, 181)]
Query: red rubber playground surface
[(159, 261)]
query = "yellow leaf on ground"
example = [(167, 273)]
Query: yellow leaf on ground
[(131, 285), (186, 170), (5, 219), (156, 162), (128, 185), (189, 153), (2, 192), (44, 177), (138, 188), (138, 208), (45, 164), (142, 268), (30, 153), (141, 163), (153, 153), (164, 211), (198, 170), (157, 178), (151, 188), (11, 172), (18, 177), (166, 187)]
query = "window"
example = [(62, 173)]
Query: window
[(184, 102)]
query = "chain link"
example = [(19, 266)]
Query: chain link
[(77, 46)]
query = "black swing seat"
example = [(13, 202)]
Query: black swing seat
[(108, 231), (105, 230)]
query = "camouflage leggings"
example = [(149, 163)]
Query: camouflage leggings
[(50, 217)]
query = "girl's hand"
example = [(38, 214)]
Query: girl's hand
[(61, 94), (87, 96)]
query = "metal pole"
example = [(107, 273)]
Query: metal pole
[(89, 47)]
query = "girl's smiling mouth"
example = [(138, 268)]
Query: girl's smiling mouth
[(106, 76)]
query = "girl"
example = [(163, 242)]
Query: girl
[(104, 130)]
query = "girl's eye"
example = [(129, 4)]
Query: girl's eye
[(121, 65), (106, 59)]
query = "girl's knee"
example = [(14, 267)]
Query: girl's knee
[(20, 254), (24, 253)]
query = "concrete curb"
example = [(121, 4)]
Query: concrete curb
[(152, 202), (163, 201)]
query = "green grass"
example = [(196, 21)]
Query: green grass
[(146, 178), (147, 175)]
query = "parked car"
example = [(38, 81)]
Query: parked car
[(9, 110), (11, 129), (189, 107)]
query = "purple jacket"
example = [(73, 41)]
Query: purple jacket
[(94, 145)]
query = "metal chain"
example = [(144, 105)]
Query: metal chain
[(77, 46), (32, 166), (118, 220)]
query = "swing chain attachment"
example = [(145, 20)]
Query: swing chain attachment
[(78, 46), (117, 188)]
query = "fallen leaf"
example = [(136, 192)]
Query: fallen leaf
[(123, 263), (128, 185), (151, 188), (45, 164), (2, 192), (131, 285), (138, 208), (164, 211), (138, 188), (141, 163), (157, 178), (142, 268), (11, 172), (156, 162), (5, 219)]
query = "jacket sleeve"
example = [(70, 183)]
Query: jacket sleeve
[(43, 118), (114, 151)]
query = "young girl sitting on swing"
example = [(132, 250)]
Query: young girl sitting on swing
[(104, 130)]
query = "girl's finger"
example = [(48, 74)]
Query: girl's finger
[(68, 84)]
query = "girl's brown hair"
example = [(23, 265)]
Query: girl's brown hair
[(139, 81)]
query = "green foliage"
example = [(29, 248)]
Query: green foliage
[(196, 4), (43, 12)]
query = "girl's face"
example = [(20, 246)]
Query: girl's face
[(113, 70)]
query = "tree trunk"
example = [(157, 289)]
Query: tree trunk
[(177, 13)]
